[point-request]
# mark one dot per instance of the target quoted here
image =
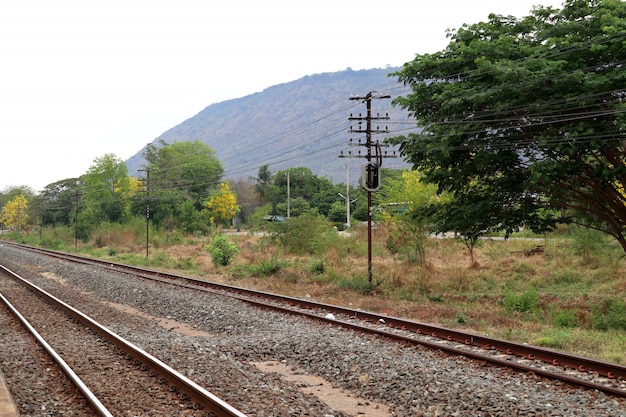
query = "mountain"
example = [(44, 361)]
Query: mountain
[(299, 123)]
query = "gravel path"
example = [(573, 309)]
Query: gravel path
[(235, 336)]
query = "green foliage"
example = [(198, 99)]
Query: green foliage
[(526, 302), (179, 171), (266, 268), (494, 109), (554, 339), (106, 191), (306, 234), (588, 243), (357, 283), (306, 191), (317, 266), (564, 318), (405, 198), (222, 251), (610, 314)]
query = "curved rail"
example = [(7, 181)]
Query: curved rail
[(213, 403), (320, 311)]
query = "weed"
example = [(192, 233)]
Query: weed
[(564, 318), (555, 339), (266, 268), (317, 266), (526, 302), (460, 318), (358, 284), (609, 314)]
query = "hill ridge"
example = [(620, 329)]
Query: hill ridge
[(298, 123)]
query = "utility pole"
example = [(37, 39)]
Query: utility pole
[(288, 195), (370, 172), (146, 184), (76, 218)]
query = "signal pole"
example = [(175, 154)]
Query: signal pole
[(370, 172)]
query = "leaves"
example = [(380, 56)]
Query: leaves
[(529, 109), (15, 213), (222, 205)]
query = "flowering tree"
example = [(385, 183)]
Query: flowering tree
[(14, 213), (222, 205)]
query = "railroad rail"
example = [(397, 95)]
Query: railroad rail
[(576, 370), (204, 399)]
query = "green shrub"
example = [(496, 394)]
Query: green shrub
[(564, 318), (309, 233), (317, 266), (526, 302), (266, 268), (610, 314), (222, 251)]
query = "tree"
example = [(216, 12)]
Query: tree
[(222, 205), (57, 202), (529, 115), (406, 199), (106, 190), (319, 193), (263, 180), (15, 213), (179, 172)]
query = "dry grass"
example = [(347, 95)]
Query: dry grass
[(447, 290)]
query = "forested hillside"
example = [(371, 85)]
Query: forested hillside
[(299, 123)]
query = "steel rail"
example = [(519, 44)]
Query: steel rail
[(528, 352), (212, 403), (91, 398)]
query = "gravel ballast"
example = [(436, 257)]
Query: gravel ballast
[(410, 381)]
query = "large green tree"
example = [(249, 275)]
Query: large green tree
[(58, 202), (299, 185), (179, 173), (530, 111), (106, 190)]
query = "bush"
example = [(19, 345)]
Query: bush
[(309, 233), (266, 268), (610, 314), (526, 302), (222, 251)]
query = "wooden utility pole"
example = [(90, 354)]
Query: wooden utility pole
[(146, 184), (370, 174)]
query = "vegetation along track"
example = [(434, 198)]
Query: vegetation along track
[(576, 370), (129, 381)]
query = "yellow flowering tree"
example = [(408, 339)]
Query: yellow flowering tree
[(15, 213), (222, 205)]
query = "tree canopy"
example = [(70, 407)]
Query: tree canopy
[(530, 111), (106, 189), (180, 172)]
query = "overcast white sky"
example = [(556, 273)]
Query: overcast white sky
[(83, 78)]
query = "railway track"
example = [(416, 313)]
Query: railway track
[(581, 371), (571, 371), (125, 380)]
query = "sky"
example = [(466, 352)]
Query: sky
[(83, 78)]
